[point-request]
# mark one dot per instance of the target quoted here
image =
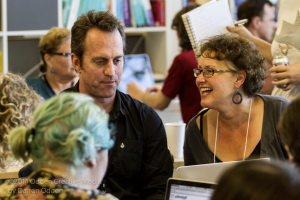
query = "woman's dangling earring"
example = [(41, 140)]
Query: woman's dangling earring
[(51, 70), (237, 93)]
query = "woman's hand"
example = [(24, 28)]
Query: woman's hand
[(135, 90), (289, 75), (153, 89), (241, 31)]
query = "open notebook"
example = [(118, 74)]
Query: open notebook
[(207, 20)]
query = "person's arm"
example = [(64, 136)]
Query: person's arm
[(268, 86), (155, 100), (263, 46), (289, 75), (157, 159)]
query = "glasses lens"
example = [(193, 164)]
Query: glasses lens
[(68, 56), (208, 72), (196, 72)]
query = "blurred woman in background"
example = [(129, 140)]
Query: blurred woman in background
[(289, 128), (258, 180), (68, 143), (58, 71), (17, 105)]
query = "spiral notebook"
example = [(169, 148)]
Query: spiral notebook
[(207, 20)]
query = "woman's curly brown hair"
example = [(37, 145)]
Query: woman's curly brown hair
[(241, 55), (17, 104)]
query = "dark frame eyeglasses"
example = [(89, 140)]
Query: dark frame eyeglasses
[(208, 72), (67, 55)]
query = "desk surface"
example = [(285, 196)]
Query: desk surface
[(12, 172), (178, 162)]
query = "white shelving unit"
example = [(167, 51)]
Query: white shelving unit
[(161, 42)]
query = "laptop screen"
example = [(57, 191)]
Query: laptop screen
[(179, 189), (137, 68)]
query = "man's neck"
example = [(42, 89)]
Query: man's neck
[(105, 103), (253, 31)]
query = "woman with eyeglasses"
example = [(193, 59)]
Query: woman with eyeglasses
[(57, 70), (237, 122)]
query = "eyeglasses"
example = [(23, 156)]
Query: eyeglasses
[(67, 55), (208, 72)]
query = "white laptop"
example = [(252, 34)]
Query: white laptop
[(208, 172), (137, 67), (189, 190)]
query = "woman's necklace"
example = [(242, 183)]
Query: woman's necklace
[(246, 135)]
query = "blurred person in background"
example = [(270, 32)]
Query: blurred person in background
[(258, 180), (68, 142), (289, 128), (180, 80), (17, 105), (286, 43), (57, 70), (261, 18), (261, 23)]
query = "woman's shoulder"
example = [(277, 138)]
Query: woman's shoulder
[(33, 79), (192, 125), (274, 105), (34, 82), (272, 98), (269, 99), (187, 57), (106, 197)]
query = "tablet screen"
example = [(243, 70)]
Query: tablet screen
[(136, 68), (189, 190)]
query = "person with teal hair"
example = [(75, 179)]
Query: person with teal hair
[(68, 143)]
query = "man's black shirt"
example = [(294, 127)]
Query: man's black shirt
[(140, 162)]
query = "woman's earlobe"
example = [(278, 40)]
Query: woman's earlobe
[(91, 163)]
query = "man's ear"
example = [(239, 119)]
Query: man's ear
[(76, 63), (256, 22), (240, 78)]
